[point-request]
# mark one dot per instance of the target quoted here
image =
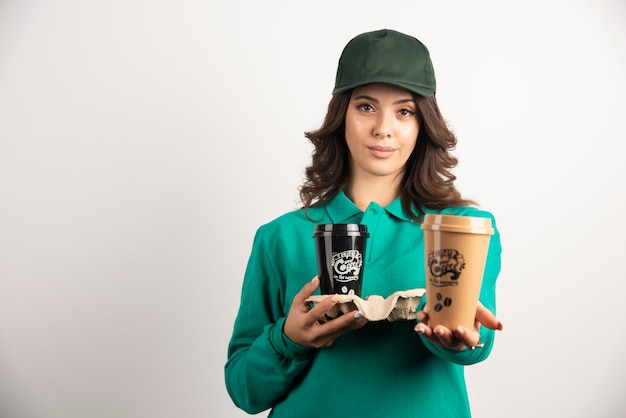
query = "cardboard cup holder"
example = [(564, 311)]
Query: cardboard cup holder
[(398, 306)]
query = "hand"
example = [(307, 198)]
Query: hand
[(302, 325), (460, 337)]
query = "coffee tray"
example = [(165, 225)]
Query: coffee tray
[(398, 306)]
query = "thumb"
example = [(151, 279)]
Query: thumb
[(487, 319)]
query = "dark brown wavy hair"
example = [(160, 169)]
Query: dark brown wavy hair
[(428, 181)]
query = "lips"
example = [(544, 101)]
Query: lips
[(381, 152)]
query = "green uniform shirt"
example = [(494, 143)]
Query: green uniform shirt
[(384, 369)]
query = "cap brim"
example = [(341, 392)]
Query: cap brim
[(421, 90)]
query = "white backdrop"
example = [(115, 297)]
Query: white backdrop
[(143, 142)]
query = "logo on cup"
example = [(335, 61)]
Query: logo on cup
[(445, 267), (347, 265)]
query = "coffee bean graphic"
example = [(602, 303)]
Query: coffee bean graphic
[(441, 302), (438, 306)]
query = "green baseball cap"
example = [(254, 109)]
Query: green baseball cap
[(386, 56)]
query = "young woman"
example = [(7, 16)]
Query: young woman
[(381, 158)]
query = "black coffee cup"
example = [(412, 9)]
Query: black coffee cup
[(340, 255)]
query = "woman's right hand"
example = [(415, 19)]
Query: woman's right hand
[(302, 326)]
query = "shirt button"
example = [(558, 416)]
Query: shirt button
[(373, 211)]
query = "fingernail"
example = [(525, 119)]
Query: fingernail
[(439, 332), (419, 331), (315, 279), (358, 315), (334, 298), (500, 326)]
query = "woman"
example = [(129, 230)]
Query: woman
[(381, 158)]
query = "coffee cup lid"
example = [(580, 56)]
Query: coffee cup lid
[(340, 229), (456, 223)]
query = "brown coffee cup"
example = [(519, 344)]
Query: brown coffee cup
[(455, 250)]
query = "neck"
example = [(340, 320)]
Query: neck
[(381, 191)]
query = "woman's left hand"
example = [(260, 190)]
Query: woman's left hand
[(461, 337)]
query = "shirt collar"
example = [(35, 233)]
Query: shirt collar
[(395, 208), (341, 208)]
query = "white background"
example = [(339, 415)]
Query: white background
[(143, 142)]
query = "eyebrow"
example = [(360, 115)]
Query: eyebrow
[(370, 98)]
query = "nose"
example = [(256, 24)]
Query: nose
[(382, 133), (382, 128)]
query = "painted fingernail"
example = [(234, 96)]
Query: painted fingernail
[(419, 331), (358, 315)]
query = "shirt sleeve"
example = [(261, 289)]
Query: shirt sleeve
[(487, 298), (262, 361)]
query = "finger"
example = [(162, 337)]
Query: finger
[(306, 292), (321, 308), (352, 320), (422, 316), (487, 319), (424, 330), (335, 328), (357, 323), (467, 337), (309, 288), (447, 338), (343, 323)]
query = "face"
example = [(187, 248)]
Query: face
[(381, 131)]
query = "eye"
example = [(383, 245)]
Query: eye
[(407, 112), (365, 107)]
